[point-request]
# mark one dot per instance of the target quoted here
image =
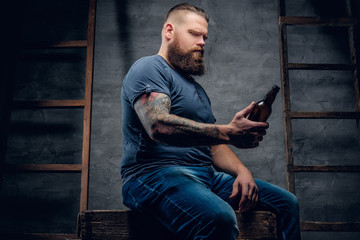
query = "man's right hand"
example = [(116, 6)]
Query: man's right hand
[(245, 133)]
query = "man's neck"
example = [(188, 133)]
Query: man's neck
[(164, 55)]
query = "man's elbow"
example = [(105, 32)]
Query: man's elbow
[(159, 131)]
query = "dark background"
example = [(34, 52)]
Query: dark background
[(242, 61)]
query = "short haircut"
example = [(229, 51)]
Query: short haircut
[(187, 7)]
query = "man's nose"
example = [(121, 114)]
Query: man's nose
[(201, 42)]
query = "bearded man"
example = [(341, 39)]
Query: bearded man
[(172, 144)]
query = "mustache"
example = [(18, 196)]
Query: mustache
[(201, 50)]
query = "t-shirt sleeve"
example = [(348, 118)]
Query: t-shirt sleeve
[(145, 76)]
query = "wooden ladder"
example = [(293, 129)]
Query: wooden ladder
[(84, 104), (350, 22)]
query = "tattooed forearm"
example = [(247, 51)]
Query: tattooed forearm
[(154, 113), (180, 131)]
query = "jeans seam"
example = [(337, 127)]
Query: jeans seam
[(172, 202), (272, 206), (134, 199), (136, 204)]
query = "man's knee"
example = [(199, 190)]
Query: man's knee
[(293, 202), (220, 224), (224, 217)]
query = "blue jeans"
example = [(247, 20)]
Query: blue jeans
[(194, 203)]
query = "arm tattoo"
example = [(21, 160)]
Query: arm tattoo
[(154, 113)]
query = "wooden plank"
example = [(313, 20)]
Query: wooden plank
[(87, 108), (128, 225), (48, 104), (330, 226), (257, 225), (41, 168), (55, 44), (310, 66), (323, 168), (323, 115), (317, 21), (38, 236)]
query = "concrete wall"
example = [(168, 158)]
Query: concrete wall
[(242, 61)]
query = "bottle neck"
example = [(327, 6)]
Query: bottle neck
[(270, 97)]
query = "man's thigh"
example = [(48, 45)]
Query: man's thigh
[(271, 197), (181, 198)]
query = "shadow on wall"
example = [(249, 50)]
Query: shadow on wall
[(124, 33), (333, 9), (329, 8)]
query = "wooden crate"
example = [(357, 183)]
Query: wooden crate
[(128, 225)]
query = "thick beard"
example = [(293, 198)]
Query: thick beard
[(187, 63)]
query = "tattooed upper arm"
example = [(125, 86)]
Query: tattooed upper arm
[(149, 107), (153, 111)]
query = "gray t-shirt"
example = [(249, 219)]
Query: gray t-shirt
[(188, 100)]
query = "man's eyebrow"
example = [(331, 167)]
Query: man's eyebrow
[(199, 32)]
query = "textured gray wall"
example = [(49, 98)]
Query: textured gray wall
[(242, 60), (242, 64)]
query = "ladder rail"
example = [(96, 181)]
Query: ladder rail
[(87, 109), (285, 89)]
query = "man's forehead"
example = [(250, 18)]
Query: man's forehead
[(185, 16), (195, 22)]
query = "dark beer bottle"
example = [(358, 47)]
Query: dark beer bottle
[(262, 109)]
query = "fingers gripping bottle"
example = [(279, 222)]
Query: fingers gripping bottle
[(262, 109)]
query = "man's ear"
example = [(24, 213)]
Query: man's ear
[(169, 31)]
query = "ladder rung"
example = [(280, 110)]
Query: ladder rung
[(324, 168), (310, 66), (42, 168), (330, 226), (317, 21), (55, 44), (49, 104), (324, 115)]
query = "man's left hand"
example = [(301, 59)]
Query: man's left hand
[(245, 185)]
